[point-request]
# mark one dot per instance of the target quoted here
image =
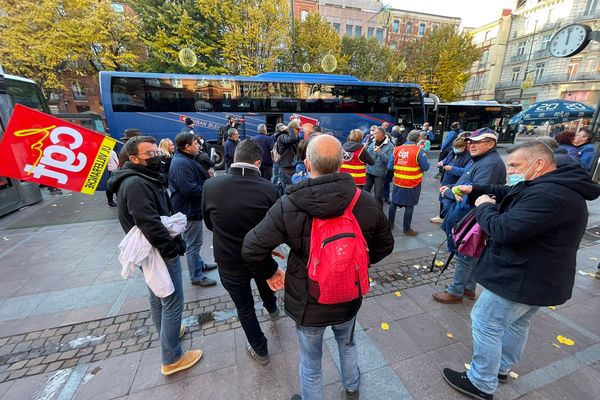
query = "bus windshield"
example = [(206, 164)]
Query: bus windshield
[(26, 93)]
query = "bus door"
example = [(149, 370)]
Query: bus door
[(439, 124), (405, 116), (271, 121)]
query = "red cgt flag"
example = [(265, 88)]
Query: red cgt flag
[(39, 148)]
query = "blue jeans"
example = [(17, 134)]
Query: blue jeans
[(275, 177), (310, 340), (500, 329), (193, 241), (166, 314), (462, 276), (408, 214)]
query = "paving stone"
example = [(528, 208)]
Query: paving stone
[(54, 366), (35, 361), (101, 356), (33, 335), (51, 358), (85, 351), (17, 365), (18, 373), (36, 370), (68, 354)]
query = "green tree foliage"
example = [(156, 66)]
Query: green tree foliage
[(42, 39), (440, 62), (314, 38), (370, 60), (255, 32), (168, 26)]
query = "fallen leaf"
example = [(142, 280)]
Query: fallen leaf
[(439, 263), (555, 345), (451, 336), (416, 266), (513, 374), (398, 294), (552, 307), (565, 340), (385, 326), (370, 279), (468, 366), (593, 259)]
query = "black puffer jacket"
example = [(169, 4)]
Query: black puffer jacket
[(141, 200), (287, 146), (289, 221), (534, 235)]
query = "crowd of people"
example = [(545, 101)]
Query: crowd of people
[(275, 189)]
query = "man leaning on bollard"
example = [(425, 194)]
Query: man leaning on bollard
[(327, 194), (534, 227)]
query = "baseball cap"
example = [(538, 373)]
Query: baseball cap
[(482, 133)]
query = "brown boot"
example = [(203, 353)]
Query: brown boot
[(410, 232), (446, 298), (469, 294)]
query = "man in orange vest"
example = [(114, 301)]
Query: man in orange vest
[(355, 158), (408, 162)]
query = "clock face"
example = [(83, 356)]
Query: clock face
[(569, 40)]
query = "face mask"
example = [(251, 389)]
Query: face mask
[(513, 179), (153, 163), (457, 151)]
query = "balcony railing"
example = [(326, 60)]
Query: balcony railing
[(508, 85), (518, 58), (541, 53)]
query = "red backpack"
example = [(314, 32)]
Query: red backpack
[(338, 263)]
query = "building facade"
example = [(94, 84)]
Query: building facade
[(530, 73), (485, 73), (410, 25), (370, 18), (301, 8)]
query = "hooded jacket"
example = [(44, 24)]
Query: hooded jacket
[(287, 146), (386, 149), (586, 153), (141, 200), (365, 157), (534, 235), (290, 220)]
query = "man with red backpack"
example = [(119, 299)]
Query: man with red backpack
[(334, 233)]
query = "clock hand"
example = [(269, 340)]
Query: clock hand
[(568, 36)]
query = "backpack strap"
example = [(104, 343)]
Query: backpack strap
[(445, 267), (354, 200)]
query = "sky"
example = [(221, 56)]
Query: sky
[(474, 13)]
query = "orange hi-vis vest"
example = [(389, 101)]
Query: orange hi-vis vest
[(407, 172), (353, 166)]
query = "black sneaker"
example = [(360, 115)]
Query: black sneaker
[(209, 267), (502, 378), (275, 315), (460, 382), (345, 394), (204, 282), (262, 360), (296, 397), (111, 204)]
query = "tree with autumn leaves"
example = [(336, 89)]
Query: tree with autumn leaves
[(42, 39)]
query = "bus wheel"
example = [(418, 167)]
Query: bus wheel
[(220, 163)]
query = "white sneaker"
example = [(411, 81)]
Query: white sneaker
[(437, 220)]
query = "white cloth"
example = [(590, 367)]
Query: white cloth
[(113, 161), (135, 250)]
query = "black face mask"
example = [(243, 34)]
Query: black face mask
[(153, 163)]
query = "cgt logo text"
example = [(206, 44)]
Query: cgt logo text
[(66, 157)]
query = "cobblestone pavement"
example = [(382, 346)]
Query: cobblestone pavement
[(65, 347)]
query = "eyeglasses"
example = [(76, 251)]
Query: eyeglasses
[(152, 153)]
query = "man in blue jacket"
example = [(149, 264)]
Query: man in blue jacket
[(186, 181), (585, 149), (534, 229), (449, 138), (487, 168), (266, 143), (380, 149), (233, 138)]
